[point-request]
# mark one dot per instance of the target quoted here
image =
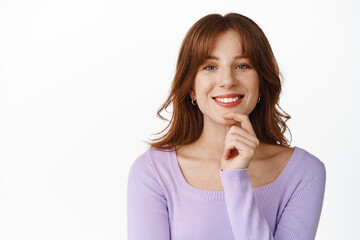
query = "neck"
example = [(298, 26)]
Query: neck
[(212, 139)]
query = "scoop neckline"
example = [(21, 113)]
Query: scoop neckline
[(219, 195)]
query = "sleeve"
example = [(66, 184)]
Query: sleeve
[(147, 212), (301, 215), (298, 221)]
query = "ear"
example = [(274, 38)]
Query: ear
[(192, 94)]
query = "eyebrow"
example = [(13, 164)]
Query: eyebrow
[(236, 57)]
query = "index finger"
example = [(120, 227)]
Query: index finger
[(242, 119)]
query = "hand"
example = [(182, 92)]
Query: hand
[(240, 142)]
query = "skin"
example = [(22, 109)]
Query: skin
[(228, 134)]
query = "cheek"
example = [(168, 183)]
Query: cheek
[(203, 88), (253, 84)]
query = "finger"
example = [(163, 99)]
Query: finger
[(237, 132), (243, 148), (250, 143), (226, 154), (242, 119), (239, 143), (229, 152)]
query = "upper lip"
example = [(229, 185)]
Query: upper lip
[(230, 95)]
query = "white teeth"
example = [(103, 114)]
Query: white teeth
[(227, 100)]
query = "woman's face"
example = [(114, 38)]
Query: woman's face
[(226, 80)]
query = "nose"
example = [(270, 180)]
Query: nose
[(227, 79)]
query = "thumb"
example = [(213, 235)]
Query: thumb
[(226, 154)]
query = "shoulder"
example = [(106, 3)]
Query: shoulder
[(152, 166), (146, 176), (306, 169), (140, 168), (149, 158), (308, 163)]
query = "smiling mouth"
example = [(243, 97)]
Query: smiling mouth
[(228, 100)]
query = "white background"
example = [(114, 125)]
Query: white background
[(81, 81)]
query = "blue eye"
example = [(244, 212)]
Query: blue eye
[(243, 66), (209, 67)]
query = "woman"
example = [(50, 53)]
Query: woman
[(224, 169)]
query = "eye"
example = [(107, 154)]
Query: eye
[(209, 67), (242, 66)]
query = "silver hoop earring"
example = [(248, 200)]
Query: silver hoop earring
[(193, 102), (259, 99)]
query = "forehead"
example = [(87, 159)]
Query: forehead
[(227, 42)]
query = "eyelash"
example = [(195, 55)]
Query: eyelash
[(206, 67), (245, 66)]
